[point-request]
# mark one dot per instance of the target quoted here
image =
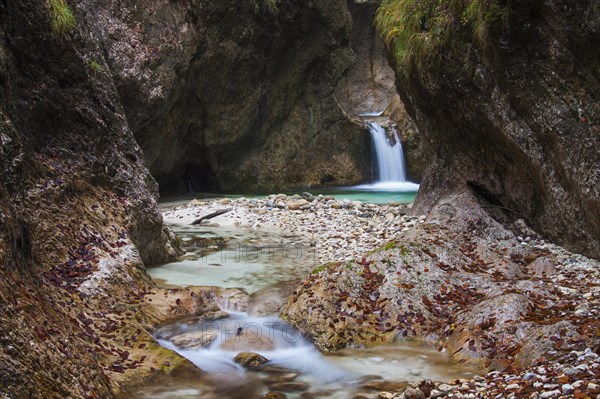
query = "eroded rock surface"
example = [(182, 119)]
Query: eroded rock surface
[(515, 117), (78, 217), (234, 95), (459, 282)]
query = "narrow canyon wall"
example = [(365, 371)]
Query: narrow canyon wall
[(370, 84), (78, 212), (514, 117), (236, 95)]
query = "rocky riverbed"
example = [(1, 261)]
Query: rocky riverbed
[(332, 230), (492, 295)]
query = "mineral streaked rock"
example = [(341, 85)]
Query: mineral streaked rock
[(526, 143)]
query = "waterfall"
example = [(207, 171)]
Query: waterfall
[(390, 157)]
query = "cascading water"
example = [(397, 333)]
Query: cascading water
[(391, 169), (390, 157)]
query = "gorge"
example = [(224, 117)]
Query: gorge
[(104, 104)]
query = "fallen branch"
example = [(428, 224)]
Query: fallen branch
[(212, 215)]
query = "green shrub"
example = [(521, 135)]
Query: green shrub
[(61, 17), (416, 30)]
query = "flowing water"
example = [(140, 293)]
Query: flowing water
[(390, 156), (294, 363), (260, 263)]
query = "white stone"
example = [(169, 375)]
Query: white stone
[(549, 394), (568, 389)]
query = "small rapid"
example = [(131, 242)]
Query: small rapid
[(280, 343)]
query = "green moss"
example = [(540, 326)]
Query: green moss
[(390, 245), (269, 5), (416, 30), (96, 66), (62, 18), (404, 251), (318, 269), (325, 266)]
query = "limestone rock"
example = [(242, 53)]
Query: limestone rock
[(250, 360), (248, 341), (295, 386), (551, 183), (194, 340)]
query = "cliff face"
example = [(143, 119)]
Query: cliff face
[(78, 214), (236, 95), (515, 118), (369, 86)]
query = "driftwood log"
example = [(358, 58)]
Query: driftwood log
[(211, 215)]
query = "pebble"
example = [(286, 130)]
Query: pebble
[(413, 393), (568, 389), (571, 371), (436, 394), (549, 394), (530, 376), (445, 387)]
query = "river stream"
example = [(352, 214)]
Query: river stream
[(258, 262)]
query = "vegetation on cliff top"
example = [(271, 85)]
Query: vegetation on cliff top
[(61, 17), (270, 5), (416, 30)]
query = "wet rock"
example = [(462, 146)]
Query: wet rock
[(194, 340), (435, 394), (272, 369), (386, 395), (167, 331), (295, 205), (550, 394), (308, 196), (269, 300), (235, 299), (336, 205), (413, 393), (280, 377), (248, 341), (382, 385), (568, 389), (571, 371), (275, 395), (426, 386), (289, 386), (250, 360), (215, 315)]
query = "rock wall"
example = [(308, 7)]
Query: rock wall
[(462, 283), (235, 95), (370, 85), (78, 213), (515, 118)]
